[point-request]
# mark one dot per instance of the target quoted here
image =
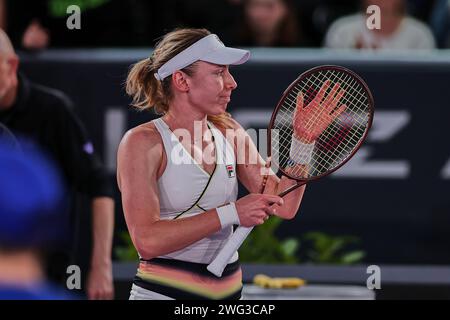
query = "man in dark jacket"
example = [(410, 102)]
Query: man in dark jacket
[(46, 116)]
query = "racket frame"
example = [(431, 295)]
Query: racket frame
[(282, 100)]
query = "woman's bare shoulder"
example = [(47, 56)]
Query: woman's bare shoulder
[(143, 139), (144, 135), (140, 150)]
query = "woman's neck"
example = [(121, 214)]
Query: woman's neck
[(186, 119)]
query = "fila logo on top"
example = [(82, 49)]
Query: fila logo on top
[(230, 170)]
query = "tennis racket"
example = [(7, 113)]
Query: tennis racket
[(329, 109)]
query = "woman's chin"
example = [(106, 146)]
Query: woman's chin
[(220, 109)]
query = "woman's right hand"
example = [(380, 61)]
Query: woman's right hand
[(254, 209)]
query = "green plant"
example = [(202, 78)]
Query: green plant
[(328, 249), (126, 252), (262, 246)]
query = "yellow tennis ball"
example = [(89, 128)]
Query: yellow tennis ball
[(276, 283), (261, 280), (289, 282)]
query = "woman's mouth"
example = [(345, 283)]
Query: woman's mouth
[(225, 98)]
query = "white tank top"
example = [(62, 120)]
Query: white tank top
[(182, 183)]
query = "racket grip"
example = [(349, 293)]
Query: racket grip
[(219, 263)]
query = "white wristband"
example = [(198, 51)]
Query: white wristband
[(301, 153), (228, 215)]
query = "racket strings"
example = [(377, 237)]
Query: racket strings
[(294, 104), (340, 138), (338, 135), (344, 99), (331, 139)]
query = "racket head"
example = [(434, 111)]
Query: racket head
[(359, 99)]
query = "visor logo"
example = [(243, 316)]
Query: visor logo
[(217, 38)]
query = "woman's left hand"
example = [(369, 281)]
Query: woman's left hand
[(310, 121)]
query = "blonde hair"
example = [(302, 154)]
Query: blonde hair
[(147, 92)]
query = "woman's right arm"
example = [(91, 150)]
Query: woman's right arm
[(139, 158)]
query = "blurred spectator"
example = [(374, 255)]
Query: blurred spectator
[(148, 20), (269, 23), (440, 22), (46, 116), (219, 18), (398, 30), (104, 23), (31, 206), (316, 16), (25, 26), (420, 9)]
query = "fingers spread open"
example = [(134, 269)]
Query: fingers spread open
[(339, 111), (339, 97), (336, 101), (322, 91), (299, 100), (330, 97)]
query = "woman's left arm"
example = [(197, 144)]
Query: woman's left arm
[(252, 170)]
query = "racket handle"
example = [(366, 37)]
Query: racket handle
[(219, 263)]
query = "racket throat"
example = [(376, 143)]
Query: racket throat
[(292, 188)]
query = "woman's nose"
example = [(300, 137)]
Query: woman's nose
[(230, 82)]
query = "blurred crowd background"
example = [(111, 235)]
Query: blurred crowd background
[(41, 24), (409, 225)]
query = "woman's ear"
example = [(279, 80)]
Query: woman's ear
[(180, 82)]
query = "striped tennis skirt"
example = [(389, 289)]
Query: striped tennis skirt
[(174, 279)]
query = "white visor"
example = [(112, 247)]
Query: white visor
[(209, 49)]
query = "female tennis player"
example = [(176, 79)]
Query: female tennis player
[(178, 174)]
